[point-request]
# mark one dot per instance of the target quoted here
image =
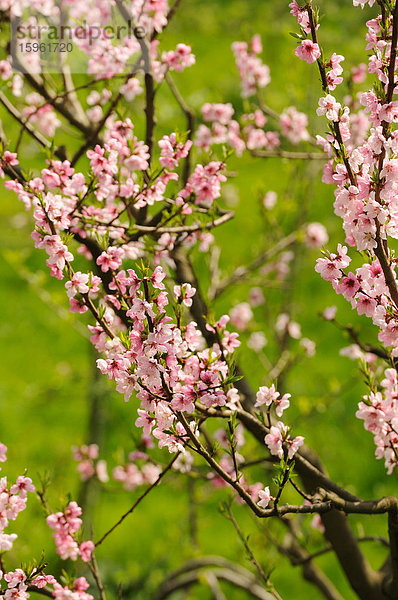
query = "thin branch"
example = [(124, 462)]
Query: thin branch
[(242, 273), (294, 550), (35, 134), (190, 116), (367, 538), (93, 566), (245, 543), (138, 501), (186, 228), (41, 591)]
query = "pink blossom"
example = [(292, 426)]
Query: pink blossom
[(256, 296), (22, 485), (241, 315), (257, 341), (15, 578), (111, 259), (265, 497), (359, 73), (316, 235), (294, 445), (42, 580), (365, 305), (348, 286), (3, 450), (6, 541), (330, 313), (294, 125), (253, 73), (329, 106), (184, 293), (266, 396), (5, 70), (77, 284), (308, 51), (86, 549), (217, 112), (131, 89), (269, 200), (275, 438), (179, 59)]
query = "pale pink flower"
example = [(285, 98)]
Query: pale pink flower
[(184, 293), (241, 315), (266, 395), (329, 106), (269, 200), (257, 341), (275, 438), (3, 450), (330, 313), (15, 578), (316, 235), (222, 113), (265, 497)]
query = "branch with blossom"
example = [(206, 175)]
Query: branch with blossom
[(137, 205)]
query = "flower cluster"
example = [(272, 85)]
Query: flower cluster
[(379, 411), (253, 73), (365, 176), (77, 591), (132, 476), (278, 438), (248, 132), (269, 396), (89, 465), (13, 500), (66, 524), (18, 582)]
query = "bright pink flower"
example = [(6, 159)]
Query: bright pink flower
[(86, 549), (308, 51), (348, 286)]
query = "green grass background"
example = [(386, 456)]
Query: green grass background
[(46, 372)]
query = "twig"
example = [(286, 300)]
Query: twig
[(138, 501), (245, 543), (186, 228), (93, 566), (241, 273), (40, 139), (190, 116)]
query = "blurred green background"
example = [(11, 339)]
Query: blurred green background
[(47, 380)]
